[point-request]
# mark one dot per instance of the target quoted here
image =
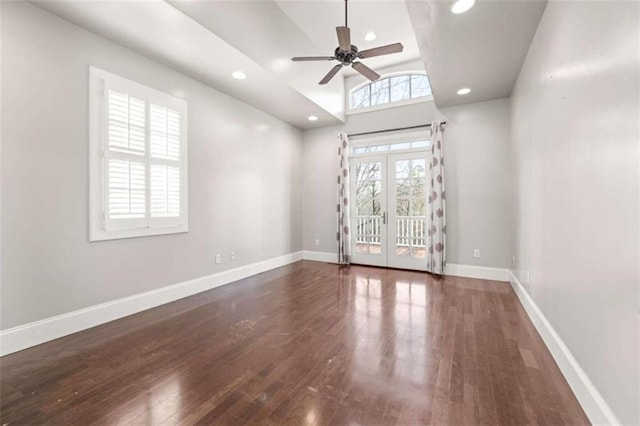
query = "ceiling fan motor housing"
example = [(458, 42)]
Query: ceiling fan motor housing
[(346, 57)]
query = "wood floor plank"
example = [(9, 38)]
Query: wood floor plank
[(309, 343)]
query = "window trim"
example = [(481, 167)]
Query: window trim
[(410, 101), (98, 80)]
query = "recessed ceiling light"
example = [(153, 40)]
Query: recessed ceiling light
[(370, 36), (313, 118), (464, 91), (461, 6), (239, 75)]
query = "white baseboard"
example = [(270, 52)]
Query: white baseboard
[(480, 272), (592, 403), (467, 271), (32, 334), (320, 256)]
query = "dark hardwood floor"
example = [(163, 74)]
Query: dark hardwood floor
[(308, 344)]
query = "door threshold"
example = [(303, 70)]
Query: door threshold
[(394, 268)]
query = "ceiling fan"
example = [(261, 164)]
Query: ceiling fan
[(348, 54)]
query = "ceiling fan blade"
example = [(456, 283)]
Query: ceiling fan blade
[(366, 71), (382, 50), (330, 74), (312, 58), (344, 38)]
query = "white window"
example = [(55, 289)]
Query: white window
[(138, 159), (388, 90), (367, 148), (391, 143)]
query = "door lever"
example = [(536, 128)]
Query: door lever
[(384, 218)]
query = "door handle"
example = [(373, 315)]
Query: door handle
[(384, 218)]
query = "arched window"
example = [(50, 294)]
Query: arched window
[(395, 88)]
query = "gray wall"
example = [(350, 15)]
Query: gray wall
[(319, 198), (476, 149), (477, 153), (575, 188), (244, 177)]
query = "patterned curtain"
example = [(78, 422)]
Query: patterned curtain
[(344, 241), (436, 234)]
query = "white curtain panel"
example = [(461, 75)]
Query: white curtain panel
[(437, 231), (343, 235)]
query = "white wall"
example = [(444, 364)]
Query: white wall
[(476, 149), (319, 198), (477, 155), (575, 188), (244, 176)]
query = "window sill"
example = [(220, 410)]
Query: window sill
[(102, 235), (422, 99)]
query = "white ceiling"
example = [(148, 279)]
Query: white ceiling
[(389, 20), (209, 39), (263, 32), (157, 29), (482, 49)]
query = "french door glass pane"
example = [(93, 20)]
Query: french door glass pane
[(402, 207), (362, 245), (417, 187), (368, 171), (377, 207), (403, 188), (417, 207), (364, 207), (369, 207), (410, 208), (418, 168), (403, 169)]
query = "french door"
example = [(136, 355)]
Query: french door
[(388, 211)]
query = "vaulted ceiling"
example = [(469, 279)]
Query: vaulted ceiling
[(209, 40)]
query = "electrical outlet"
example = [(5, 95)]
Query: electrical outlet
[(317, 242), (513, 260), (233, 255), (476, 253), (218, 258)]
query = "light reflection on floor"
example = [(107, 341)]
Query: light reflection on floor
[(399, 320), (158, 406)]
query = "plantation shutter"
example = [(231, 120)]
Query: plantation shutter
[(143, 159), (125, 162), (165, 126)]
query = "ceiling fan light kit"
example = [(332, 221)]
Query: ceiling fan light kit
[(348, 55)]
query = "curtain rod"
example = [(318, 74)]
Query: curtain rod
[(393, 130)]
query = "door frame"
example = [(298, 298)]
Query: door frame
[(385, 259)]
